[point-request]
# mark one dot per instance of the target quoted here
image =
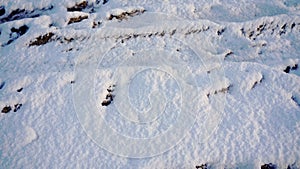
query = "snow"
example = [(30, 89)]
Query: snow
[(190, 83)]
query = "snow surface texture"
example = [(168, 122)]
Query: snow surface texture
[(209, 82)]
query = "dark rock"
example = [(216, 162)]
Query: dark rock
[(2, 85), (220, 32), (110, 96), (6, 109), (20, 31), (202, 166), (105, 1), (287, 69), (17, 107), (2, 10), (295, 67), (251, 34), (293, 25), (268, 166)]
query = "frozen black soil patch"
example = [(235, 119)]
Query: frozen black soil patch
[(126, 14), (43, 39), (18, 14), (77, 19), (15, 34)]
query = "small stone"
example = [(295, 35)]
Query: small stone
[(6, 109), (17, 107), (19, 90)]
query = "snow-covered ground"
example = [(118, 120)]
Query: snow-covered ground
[(145, 84)]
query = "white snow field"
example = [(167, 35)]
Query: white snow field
[(149, 84)]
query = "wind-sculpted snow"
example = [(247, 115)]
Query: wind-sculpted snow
[(153, 70), (87, 84)]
